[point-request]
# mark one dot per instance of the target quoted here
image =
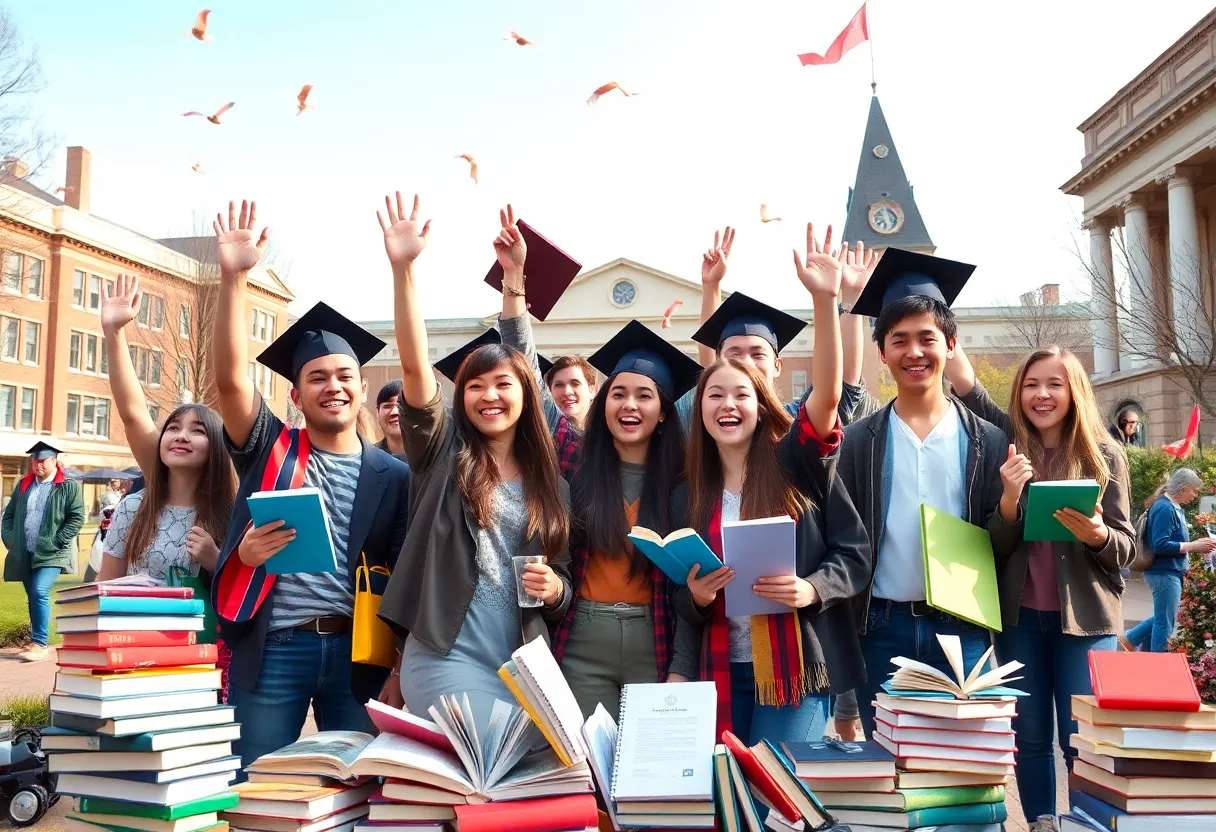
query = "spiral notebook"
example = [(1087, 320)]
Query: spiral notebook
[(665, 743)]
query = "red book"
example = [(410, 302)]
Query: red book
[(1142, 681), (390, 720), (128, 658), (545, 814), (129, 638), (109, 590), (547, 269), (759, 777)]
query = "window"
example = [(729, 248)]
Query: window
[(798, 384), (154, 370), (109, 284), (183, 321), (90, 353), (144, 306), (94, 293), (33, 331), (26, 418), (33, 283), (78, 278), (262, 378), (8, 406), (73, 425), (183, 377), (261, 326), (105, 358), (154, 412), (12, 272), (8, 338), (88, 416), (158, 313), (75, 345)]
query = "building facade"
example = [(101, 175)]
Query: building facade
[(1146, 181), (56, 261)]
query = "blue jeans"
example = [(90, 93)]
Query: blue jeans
[(751, 722), (299, 668), (1154, 633), (1056, 667), (900, 633), (38, 595)]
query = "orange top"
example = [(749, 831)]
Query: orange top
[(607, 579)]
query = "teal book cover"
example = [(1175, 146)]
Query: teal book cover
[(301, 509), (677, 553)]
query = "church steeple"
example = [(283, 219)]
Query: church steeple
[(882, 212)]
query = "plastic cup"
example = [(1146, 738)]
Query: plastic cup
[(522, 596)]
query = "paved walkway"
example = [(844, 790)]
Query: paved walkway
[(18, 678)]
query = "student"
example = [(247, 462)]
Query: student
[(923, 447), (1170, 538), (291, 634), (571, 382), (747, 460), (489, 488), (1058, 600), (389, 420), (41, 521), (177, 519)]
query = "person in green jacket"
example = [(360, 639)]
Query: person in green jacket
[(40, 525)]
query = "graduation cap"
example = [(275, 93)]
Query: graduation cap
[(449, 365), (900, 274), (321, 331), (42, 450), (548, 271), (741, 315), (636, 349)]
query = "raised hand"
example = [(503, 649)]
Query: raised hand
[(821, 273), (858, 266), (120, 303), (509, 245), (713, 262), (240, 248), (404, 239)]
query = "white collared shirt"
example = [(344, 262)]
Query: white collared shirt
[(930, 472)]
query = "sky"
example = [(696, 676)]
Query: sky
[(983, 100)]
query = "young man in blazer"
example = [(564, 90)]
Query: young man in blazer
[(291, 634)]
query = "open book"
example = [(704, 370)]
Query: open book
[(677, 553), (537, 683), (327, 753), (918, 678)]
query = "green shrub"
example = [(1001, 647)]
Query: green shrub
[(1149, 469), (26, 711)]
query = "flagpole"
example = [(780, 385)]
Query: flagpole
[(870, 38)]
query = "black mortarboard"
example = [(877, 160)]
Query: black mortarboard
[(42, 450), (449, 365), (321, 331), (637, 349), (741, 315), (545, 364), (900, 274), (547, 271)]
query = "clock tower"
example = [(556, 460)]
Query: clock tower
[(882, 212)]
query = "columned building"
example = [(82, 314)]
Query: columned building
[(1147, 180)]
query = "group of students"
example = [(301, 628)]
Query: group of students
[(525, 463)]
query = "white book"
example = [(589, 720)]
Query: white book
[(761, 548), (547, 689), (995, 725), (405, 792), (914, 675), (408, 812), (109, 623), (665, 742), (1155, 739), (402, 758), (138, 760), (96, 686), (600, 732), (133, 705), (164, 794), (338, 821), (957, 739)]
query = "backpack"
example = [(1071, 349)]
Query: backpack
[(1144, 552)]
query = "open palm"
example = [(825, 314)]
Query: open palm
[(240, 247), (821, 272), (120, 303), (713, 262), (858, 266), (404, 237)]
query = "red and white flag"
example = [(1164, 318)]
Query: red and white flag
[(856, 32), (1182, 448)]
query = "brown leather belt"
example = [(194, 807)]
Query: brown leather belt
[(328, 626)]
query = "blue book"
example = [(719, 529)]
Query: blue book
[(1098, 810), (130, 605), (986, 693), (677, 553), (829, 757), (301, 509), (755, 549)]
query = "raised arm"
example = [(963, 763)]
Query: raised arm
[(858, 266), (118, 309), (959, 372), (405, 239), (713, 269), (821, 275), (240, 249)]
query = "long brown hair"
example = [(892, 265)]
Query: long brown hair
[(768, 491), (477, 473), (213, 496), (1082, 435)]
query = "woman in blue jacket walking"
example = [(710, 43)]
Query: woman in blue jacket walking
[(1167, 534)]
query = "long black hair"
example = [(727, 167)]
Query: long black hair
[(597, 500)]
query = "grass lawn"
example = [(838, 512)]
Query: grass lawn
[(14, 611)]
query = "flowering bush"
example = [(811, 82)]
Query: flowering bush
[(1197, 626), (1205, 520)]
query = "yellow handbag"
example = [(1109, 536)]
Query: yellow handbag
[(372, 641)]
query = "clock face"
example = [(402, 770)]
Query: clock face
[(624, 293), (881, 151), (886, 217)]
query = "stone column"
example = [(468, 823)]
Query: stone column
[(1103, 318), (1142, 321), (1185, 274)]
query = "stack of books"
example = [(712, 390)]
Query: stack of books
[(1146, 748), (498, 776), (764, 775), (952, 745), (306, 786), (137, 732)]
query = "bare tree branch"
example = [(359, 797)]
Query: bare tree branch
[(1042, 322)]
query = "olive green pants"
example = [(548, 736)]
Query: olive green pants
[(610, 646)]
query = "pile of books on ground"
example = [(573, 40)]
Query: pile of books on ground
[(1146, 748), (949, 750), (137, 732), (306, 786)]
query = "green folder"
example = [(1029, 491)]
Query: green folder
[(1046, 498), (960, 570)]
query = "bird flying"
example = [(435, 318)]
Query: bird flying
[(607, 88), (519, 39), (671, 310), (215, 117), (200, 25), (764, 217), (302, 99), (472, 166)]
